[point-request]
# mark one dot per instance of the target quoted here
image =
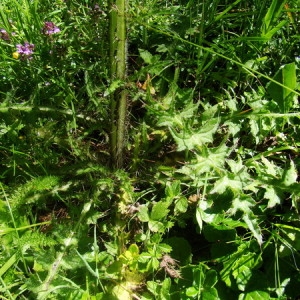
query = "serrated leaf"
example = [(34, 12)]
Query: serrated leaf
[(290, 176), (270, 167), (156, 226), (173, 189), (204, 214), (270, 194), (237, 167), (251, 222), (164, 248), (113, 87), (192, 140), (208, 160), (242, 203), (166, 287), (146, 56), (180, 118), (144, 257), (181, 205), (169, 121), (225, 182)]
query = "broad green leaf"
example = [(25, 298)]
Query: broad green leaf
[(211, 294), (170, 121), (218, 233), (144, 257), (146, 56), (181, 249), (164, 248), (181, 205), (179, 119), (244, 203), (152, 286), (156, 226), (237, 262), (143, 213), (236, 167), (254, 128), (210, 112), (121, 292), (153, 264), (281, 289), (173, 189), (133, 250), (242, 276), (115, 267), (211, 278), (165, 289), (233, 127), (191, 292), (159, 211), (204, 214), (271, 195), (255, 295), (283, 96)]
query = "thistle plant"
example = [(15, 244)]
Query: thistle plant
[(149, 150)]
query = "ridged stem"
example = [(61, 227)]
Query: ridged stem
[(117, 39)]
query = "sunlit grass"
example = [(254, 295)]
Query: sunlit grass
[(206, 204)]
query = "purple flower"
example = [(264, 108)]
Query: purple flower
[(25, 50), (4, 35), (50, 28)]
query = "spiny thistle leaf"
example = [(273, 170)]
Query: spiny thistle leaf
[(189, 140)]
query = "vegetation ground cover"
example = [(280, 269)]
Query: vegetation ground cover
[(170, 175)]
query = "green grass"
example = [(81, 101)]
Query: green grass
[(206, 205)]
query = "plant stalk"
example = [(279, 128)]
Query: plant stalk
[(118, 55)]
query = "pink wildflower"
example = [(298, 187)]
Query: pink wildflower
[(25, 50), (50, 28)]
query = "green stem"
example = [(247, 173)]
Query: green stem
[(117, 39)]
